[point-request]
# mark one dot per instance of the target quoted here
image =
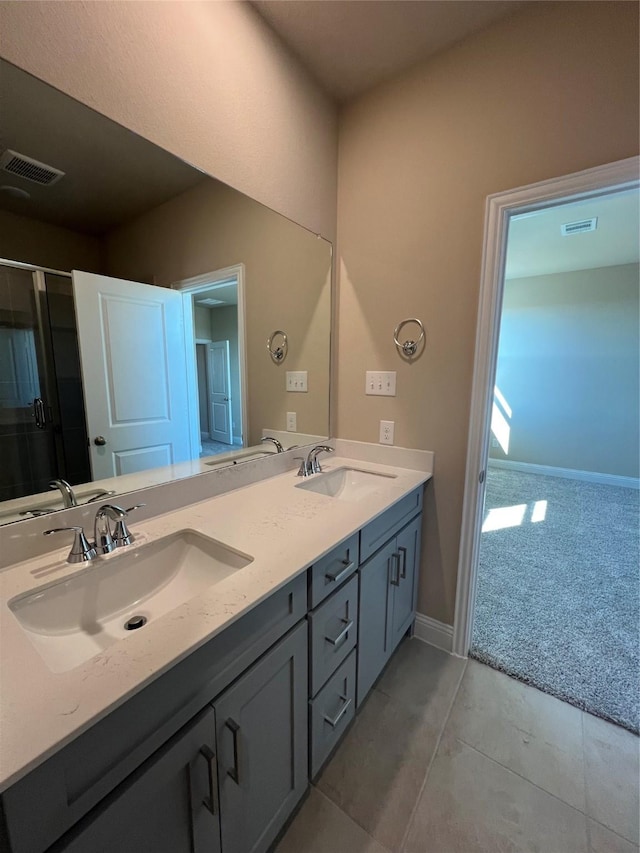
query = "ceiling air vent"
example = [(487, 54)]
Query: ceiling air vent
[(30, 169), (579, 227)]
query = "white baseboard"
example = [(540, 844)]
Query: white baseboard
[(433, 632), (567, 473)]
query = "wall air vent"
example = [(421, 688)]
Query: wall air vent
[(579, 227), (30, 169)]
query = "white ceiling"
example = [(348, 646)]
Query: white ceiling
[(350, 46), (227, 294), (536, 246)]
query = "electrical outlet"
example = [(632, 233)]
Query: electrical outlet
[(292, 422), (296, 380), (381, 383), (386, 432)]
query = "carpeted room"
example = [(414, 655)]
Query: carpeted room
[(557, 601)]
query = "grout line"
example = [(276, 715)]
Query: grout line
[(588, 817), (432, 759), (350, 819), (520, 776)]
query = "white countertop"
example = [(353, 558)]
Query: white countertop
[(284, 528)]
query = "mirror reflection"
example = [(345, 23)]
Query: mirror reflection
[(137, 296)]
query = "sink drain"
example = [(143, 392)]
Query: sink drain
[(135, 622)]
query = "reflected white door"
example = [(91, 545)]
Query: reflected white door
[(134, 374), (220, 423)]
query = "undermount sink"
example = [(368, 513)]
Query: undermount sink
[(346, 483), (72, 620)]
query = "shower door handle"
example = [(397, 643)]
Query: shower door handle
[(39, 413)]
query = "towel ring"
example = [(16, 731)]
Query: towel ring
[(409, 347), (278, 353)]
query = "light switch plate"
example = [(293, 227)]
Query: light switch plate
[(296, 380), (381, 383)]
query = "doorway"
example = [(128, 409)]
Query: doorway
[(549, 548), (214, 306)]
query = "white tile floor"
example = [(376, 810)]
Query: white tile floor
[(450, 756)]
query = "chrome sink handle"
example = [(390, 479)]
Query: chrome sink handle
[(103, 493), (104, 543), (121, 534), (82, 550)]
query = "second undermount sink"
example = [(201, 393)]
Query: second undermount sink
[(346, 483), (74, 619)]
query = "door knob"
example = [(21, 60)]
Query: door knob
[(100, 440)]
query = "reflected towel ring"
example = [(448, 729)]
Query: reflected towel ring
[(278, 353), (409, 347)]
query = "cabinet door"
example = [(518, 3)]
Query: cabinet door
[(262, 740), (169, 805), (373, 634), (402, 604)]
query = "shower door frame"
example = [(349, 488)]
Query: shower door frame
[(47, 378)]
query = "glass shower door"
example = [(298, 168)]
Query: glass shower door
[(28, 404)]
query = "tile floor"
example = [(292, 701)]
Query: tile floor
[(450, 756)]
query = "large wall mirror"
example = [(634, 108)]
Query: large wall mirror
[(137, 299)]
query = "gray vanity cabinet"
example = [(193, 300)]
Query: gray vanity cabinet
[(169, 805), (388, 582), (403, 585), (261, 723)]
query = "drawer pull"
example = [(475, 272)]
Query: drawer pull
[(403, 551), (209, 756), (336, 577), (396, 559), (234, 728), (335, 641), (333, 723)]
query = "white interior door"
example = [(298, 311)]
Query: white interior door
[(134, 374), (220, 423)]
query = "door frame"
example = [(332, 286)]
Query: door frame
[(203, 342), (500, 208), (198, 284)]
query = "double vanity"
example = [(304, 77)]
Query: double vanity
[(179, 693)]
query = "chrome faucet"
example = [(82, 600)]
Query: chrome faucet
[(279, 447), (311, 464), (68, 497), (82, 550), (104, 542)]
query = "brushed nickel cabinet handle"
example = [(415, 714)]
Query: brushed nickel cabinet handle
[(212, 767), (334, 722), (336, 577), (403, 551), (335, 641), (234, 728), (396, 559)]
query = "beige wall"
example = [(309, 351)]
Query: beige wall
[(287, 286), (548, 91), (207, 81), (33, 242), (568, 369)]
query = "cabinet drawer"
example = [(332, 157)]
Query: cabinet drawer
[(375, 534), (333, 569), (333, 629), (331, 712)]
